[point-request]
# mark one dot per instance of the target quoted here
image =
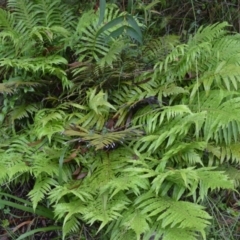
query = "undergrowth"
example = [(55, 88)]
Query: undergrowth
[(110, 131)]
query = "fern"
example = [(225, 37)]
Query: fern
[(4, 88), (98, 40), (22, 112), (108, 137), (157, 49), (40, 189), (170, 217), (71, 226)]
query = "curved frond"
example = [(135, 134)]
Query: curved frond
[(170, 213)]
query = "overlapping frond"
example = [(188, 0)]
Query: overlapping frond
[(131, 147), (169, 216)]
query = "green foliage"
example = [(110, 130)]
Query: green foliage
[(127, 137)]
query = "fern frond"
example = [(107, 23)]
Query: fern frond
[(25, 14), (102, 43), (23, 111), (7, 20), (113, 53), (170, 213), (106, 138), (72, 225), (183, 234), (47, 167), (49, 122), (169, 234), (225, 127), (122, 234), (209, 33), (60, 191), (18, 167), (40, 190), (61, 209), (208, 181), (229, 153), (126, 182), (19, 145), (39, 65), (135, 221), (157, 49), (177, 182), (5, 88), (55, 13), (105, 211), (233, 173), (171, 131)]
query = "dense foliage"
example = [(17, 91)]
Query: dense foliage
[(112, 124)]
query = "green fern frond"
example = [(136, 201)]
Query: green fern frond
[(73, 225), (7, 20), (209, 33), (24, 13), (105, 210), (5, 88), (185, 151), (225, 153), (19, 145), (40, 190), (31, 26), (158, 48), (61, 209), (127, 182), (46, 115), (208, 181), (102, 43), (49, 122), (122, 234), (96, 46), (98, 102), (170, 90), (169, 234), (129, 97), (96, 111), (183, 234), (95, 210), (48, 167), (129, 142), (233, 173), (49, 130), (72, 188), (226, 125), (171, 131), (229, 153), (113, 54), (39, 65), (106, 138), (205, 58), (23, 111), (44, 34), (18, 167), (136, 221), (54, 13), (172, 213), (177, 182)]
